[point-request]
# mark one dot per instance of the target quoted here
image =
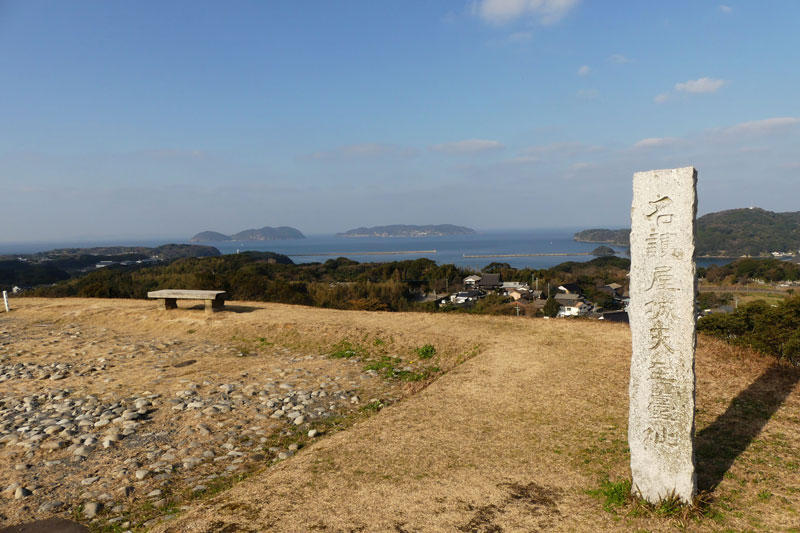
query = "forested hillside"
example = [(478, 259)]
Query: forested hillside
[(731, 233)]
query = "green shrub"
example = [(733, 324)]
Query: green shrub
[(426, 352), (614, 494), (774, 330), (346, 350)]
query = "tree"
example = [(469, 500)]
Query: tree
[(551, 307)]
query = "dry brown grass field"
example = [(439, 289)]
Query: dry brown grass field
[(521, 428)]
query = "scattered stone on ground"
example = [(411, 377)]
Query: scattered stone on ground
[(95, 422)]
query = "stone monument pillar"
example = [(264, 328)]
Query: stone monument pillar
[(662, 318)]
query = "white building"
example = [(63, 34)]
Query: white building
[(574, 309)]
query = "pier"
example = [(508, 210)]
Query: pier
[(342, 254), (560, 254)]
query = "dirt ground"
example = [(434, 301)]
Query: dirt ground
[(525, 431)]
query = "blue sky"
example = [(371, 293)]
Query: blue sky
[(162, 119)]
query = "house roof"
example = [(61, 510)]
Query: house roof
[(469, 294), (567, 297), (570, 288), (472, 278), (489, 280), (614, 286), (615, 316)]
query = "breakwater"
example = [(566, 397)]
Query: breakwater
[(560, 254), (345, 254)]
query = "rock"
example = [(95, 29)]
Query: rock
[(191, 462), (53, 444), (154, 493), (91, 509), (51, 506), (82, 451), (141, 474), (142, 403), (21, 492), (313, 433)]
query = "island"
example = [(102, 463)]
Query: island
[(748, 231), (603, 251), (404, 230), (267, 233), (615, 237)]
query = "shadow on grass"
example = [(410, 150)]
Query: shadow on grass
[(240, 308), (719, 444), (227, 309)]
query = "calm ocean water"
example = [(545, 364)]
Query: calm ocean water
[(317, 248)]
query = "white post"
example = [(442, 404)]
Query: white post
[(5, 300), (662, 387)]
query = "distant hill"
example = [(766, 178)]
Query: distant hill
[(267, 233), (618, 237), (210, 236), (403, 230), (731, 233), (165, 252), (28, 270)]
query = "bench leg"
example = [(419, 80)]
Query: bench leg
[(170, 303), (212, 306)]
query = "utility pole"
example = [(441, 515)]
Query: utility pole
[(517, 309)]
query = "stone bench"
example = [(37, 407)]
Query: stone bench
[(214, 300)]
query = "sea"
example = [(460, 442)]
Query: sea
[(457, 249)]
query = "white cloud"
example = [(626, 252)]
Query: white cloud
[(504, 11), (655, 142), (700, 85), (584, 70), (725, 9), (468, 146), (761, 127), (619, 59)]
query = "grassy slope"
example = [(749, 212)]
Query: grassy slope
[(516, 437)]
